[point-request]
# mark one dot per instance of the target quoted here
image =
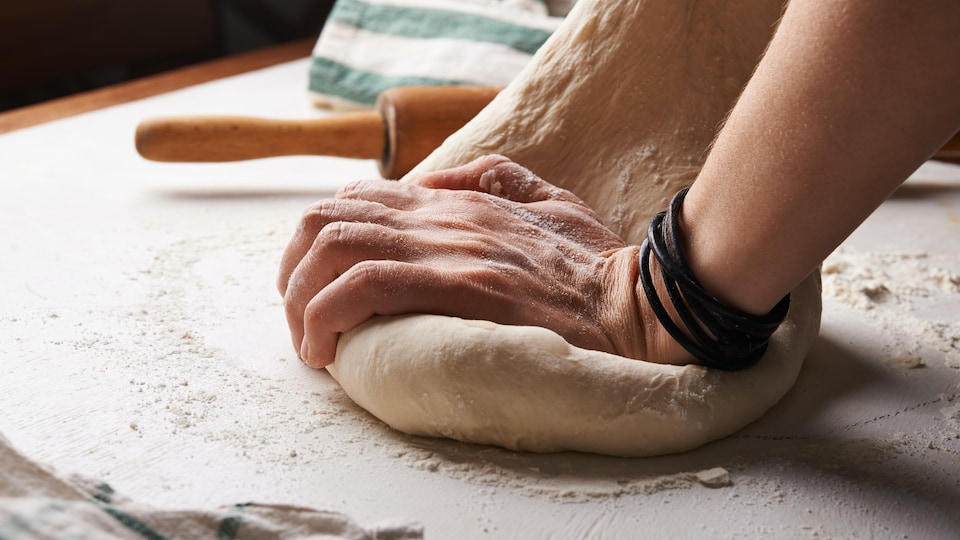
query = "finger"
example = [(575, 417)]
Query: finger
[(500, 177), (516, 183), (382, 288), (321, 214), (464, 177), (336, 248), (386, 192)]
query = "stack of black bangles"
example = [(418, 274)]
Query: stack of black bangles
[(717, 335)]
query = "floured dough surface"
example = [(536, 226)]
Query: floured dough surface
[(526, 388)]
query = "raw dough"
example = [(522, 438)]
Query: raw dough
[(525, 388), (620, 105), (673, 69)]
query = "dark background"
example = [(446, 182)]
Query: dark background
[(54, 48)]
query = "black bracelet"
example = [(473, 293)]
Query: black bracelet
[(720, 336)]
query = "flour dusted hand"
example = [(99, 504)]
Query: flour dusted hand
[(488, 240)]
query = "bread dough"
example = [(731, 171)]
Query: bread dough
[(526, 388), (620, 105), (673, 70)]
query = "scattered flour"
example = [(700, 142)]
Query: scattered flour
[(185, 387), (952, 359), (569, 478), (908, 360), (884, 286), (894, 289), (952, 415)]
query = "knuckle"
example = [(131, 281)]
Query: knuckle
[(340, 235), (368, 270), (312, 317), (319, 214), (334, 233), (293, 298), (330, 242), (353, 189), (370, 273)]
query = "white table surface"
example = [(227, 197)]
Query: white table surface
[(142, 341)]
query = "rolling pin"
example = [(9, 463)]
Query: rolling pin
[(406, 126)]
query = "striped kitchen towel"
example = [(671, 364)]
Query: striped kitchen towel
[(36, 502), (368, 46)]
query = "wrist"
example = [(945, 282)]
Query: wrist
[(630, 323), (715, 333)]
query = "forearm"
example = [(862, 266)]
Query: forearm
[(850, 98)]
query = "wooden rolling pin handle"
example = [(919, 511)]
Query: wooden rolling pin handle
[(232, 138), (409, 123), (420, 118)]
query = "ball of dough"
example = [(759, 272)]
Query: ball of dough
[(526, 388)]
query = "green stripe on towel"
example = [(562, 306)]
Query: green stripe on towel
[(130, 522), (230, 525), (336, 79), (437, 23)]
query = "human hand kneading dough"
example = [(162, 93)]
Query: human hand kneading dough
[(822, 133), (488, 240)]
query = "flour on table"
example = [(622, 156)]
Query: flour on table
[(892, 288), (557, 477), (952, 416), (952, 359)]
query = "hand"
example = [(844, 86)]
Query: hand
[(488, 240)]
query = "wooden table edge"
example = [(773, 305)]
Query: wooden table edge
[(169, 81)]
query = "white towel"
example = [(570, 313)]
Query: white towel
[(368, 46)]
